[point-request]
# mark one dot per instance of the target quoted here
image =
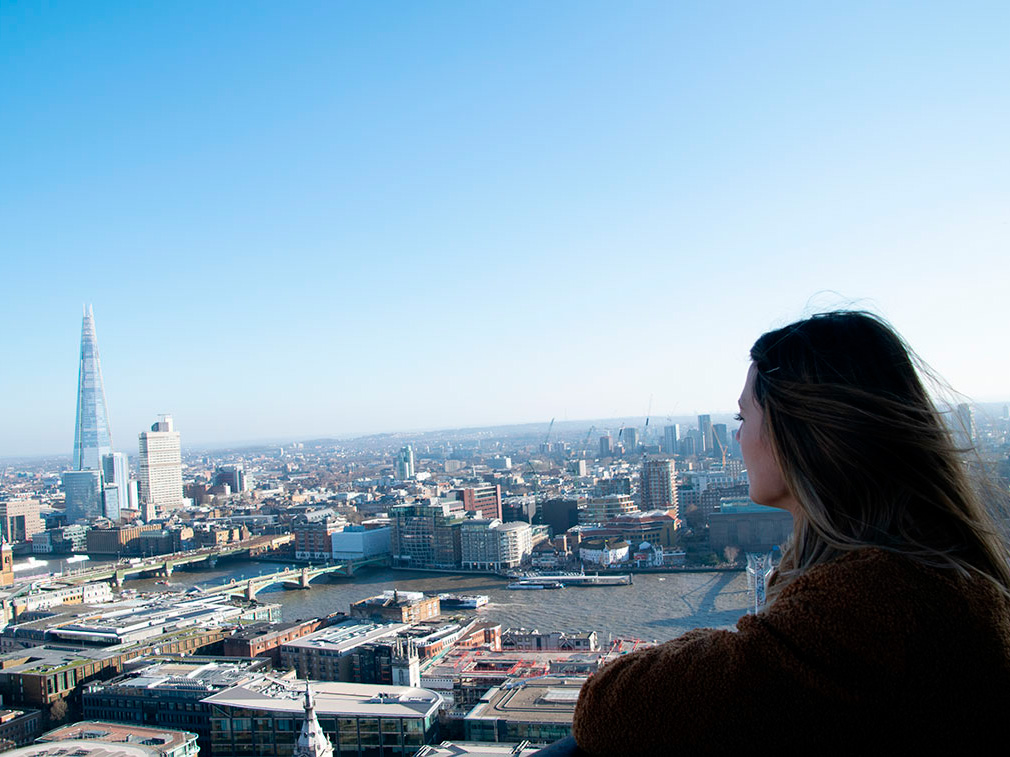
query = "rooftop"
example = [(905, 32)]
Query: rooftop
[(189, 675), (540, 700), (266, 693), (346, 635), (161, 740)]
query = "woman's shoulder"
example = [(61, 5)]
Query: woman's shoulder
[(882, 591), (880, 568)]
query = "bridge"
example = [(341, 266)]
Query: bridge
[(294, 578), (163, 565)]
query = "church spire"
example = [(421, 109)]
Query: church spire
[(312, 742)]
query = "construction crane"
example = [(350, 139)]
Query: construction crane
[(547, 436), (722, 448)]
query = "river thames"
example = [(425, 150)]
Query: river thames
[(655, 606)]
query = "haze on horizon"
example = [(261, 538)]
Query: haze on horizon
[(315, 220)]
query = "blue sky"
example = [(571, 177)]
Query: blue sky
[(309, 219)]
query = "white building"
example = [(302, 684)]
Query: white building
[(160, 469), (604, 551), (358, 542), (93, 593), (493, 545)]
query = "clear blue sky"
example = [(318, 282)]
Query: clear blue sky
[(301, 219)]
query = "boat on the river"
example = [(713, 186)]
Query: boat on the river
[(463, 601), (531, 584), (581, 579)]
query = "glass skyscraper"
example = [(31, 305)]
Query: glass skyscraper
[(92, 432)]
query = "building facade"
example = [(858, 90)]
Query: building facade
[(483, 500), (405, 464), (160, 468), (659, 485), (19, 519), (425, 536)]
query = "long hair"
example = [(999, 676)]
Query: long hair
[(865, 453)]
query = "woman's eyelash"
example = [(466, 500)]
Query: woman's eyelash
[(738, 417)]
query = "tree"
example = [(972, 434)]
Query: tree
[(58, 712), (731, 553)]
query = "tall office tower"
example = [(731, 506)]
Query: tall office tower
[(659, 485), (92, 432), (160, 469), (631, 439), (83, 489), (83, 484), (705, 428), (964, 425), (605, 450), (405, 463), (671, 435), (116, 473)]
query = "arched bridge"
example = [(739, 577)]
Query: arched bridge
[(294, 578)]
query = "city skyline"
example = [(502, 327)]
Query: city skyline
[(328, 221)]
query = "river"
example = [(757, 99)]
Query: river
[(655, 606)]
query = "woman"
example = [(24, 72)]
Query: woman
[(888, 622)]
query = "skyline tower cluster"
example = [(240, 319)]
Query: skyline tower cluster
[(99, 483)]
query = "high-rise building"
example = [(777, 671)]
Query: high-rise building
[(92, 431), (160, 469), (671, 436), (631, 439), (605, 450), (116, 473), (659, 485), (83, 490), (964, 426), (405, 464), (705, 429)]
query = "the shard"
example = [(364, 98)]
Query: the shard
[(84, 484), (92, 433)]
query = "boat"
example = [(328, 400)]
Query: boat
[(463, 601), (78, 558), (535, 585), (581, 579)]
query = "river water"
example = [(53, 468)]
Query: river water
[(655, 606)]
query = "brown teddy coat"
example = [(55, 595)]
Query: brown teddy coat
[(872, 652)]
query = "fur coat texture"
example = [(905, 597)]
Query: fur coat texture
[(870, 653)]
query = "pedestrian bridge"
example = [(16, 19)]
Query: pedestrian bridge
[(293, 578)]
